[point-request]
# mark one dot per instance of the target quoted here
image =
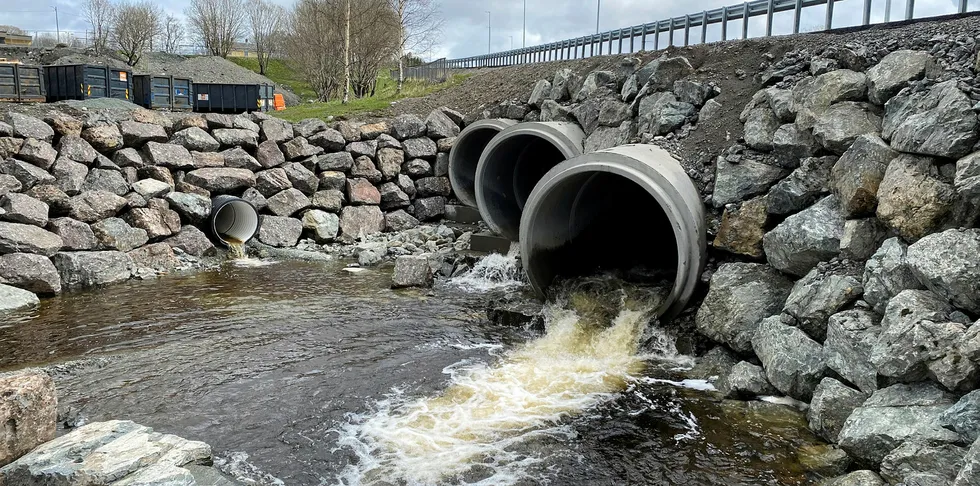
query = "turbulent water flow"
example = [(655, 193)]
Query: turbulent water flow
[(588, 353), (236, 249), (281, 368), (493, 272)]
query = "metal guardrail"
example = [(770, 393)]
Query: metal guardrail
[(434, 72), (576, 48)]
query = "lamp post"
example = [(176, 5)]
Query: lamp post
[(488, 32), (524, 30), (598, 3), (57, 25)]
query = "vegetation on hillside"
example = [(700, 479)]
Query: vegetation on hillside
[(385, 94), (282, 73)]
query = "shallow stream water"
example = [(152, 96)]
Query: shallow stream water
[(306, 374)]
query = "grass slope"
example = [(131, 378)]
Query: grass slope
[(281, 72), (384, 95)]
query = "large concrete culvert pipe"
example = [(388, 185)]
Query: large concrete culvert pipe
[(625, 208), (513, 162), (465, 156), (233, 220)]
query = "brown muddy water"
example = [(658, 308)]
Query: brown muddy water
[(306, 374)]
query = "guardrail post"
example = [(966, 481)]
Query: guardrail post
[(671, 33), (656, 38), (687, 30), (796, 15), (632, 37), (830, 15), (888, 11), (769, 14), (867, 12), (909, 9), (704, 27), (963, 6), (745, 20), (724, 24), (601, 43), (643, 37)]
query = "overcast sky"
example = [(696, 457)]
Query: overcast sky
[(465, 30)]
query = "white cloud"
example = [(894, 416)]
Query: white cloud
[(465, 31)]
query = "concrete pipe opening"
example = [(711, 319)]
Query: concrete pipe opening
[(465, 156), (233, 220), (622, 209), (513, 162)]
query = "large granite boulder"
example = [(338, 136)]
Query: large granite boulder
[(280, 231), (92, 268), (794, 363), (25, 238), (739, 296), (851, 335), (912, 198), (939, 122), (947, 263), (893, 415), (806, 238), (30, 272), (29, 411), (858, 173)]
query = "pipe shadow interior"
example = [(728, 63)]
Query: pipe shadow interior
[(597, 222), (512, 170), (466, 160)]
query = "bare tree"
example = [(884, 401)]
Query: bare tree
[(371, 46), (316, 44), (266, 20), (133, 28), (10, 29), (346, 54), (171, 34), (217, 23), (99, 14), (45, 40), (419, 25)]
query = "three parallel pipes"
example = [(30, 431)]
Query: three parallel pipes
[(629, 209)]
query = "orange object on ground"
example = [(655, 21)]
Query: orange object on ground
[(278, 102)]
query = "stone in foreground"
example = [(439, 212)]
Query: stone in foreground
[(13, 298), (28, 411), (412, 271), (114, 452)]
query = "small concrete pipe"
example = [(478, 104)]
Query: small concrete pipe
[(232, 220), (513, 162), (628, 208), (465, 155)]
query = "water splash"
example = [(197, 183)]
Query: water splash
[(493, 272), (237, 465), (236, 248), (480, 422)]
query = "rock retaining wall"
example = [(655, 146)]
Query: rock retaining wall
[(94, 201), (845, 209)]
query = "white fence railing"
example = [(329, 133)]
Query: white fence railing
[(697, 23)]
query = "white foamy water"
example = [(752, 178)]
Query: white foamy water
[(488, 409), (493, 272), (252, 262), (236, 465)]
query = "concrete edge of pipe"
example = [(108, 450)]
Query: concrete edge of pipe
[(465, 155), (232, 218), (661, 176), (504, 219)]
